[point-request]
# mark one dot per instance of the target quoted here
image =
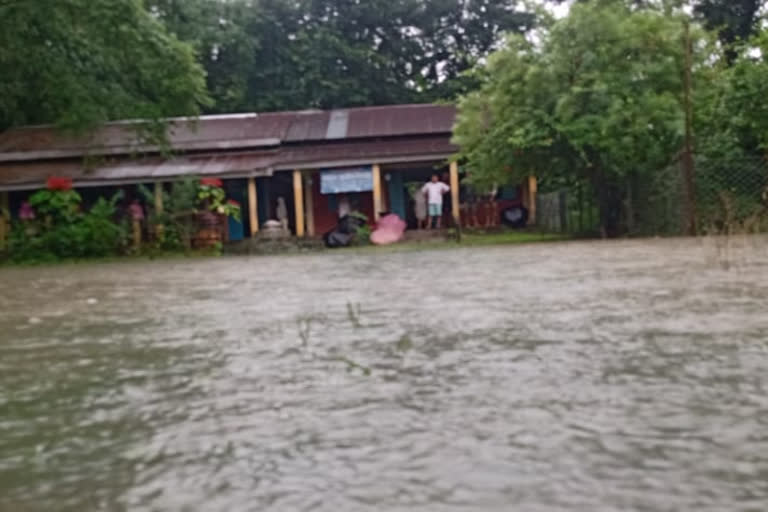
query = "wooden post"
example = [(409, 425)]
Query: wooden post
[(5, 212), (376, 192), (309, 205), (159, 229), (687, 161), (136, 234), (298, 202), (158, 197), (455, 193), (253, 207), (533, 189)]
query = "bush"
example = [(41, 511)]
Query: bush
[(64, 232)]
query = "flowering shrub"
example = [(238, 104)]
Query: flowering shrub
[(213, 198), (58, 183), (63, 230), (58, 202)]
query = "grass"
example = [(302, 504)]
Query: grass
[(468, 239), (122, 258), (509, 237)]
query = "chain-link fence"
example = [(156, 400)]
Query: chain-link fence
[(730, 196)]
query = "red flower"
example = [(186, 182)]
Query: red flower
[(233, 203), (211, 182), (58, 183)]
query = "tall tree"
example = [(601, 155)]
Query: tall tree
[(276, 55), (80, 62), (735, 20), (597, 100)]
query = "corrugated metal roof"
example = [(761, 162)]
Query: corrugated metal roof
[(354, 152), (20, 175), (400, 120), (216, 132), (242, 145), (228, 132), (34, 175)]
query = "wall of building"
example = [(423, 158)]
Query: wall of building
[(325, 207)]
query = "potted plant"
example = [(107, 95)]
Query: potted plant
[(214, 209)]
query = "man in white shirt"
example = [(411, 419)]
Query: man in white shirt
[(435, 190)]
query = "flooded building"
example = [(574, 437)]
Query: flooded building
[(315, 163)]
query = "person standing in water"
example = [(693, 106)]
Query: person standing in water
[(435, 190)]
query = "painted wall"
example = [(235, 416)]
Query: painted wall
[(326, 207)]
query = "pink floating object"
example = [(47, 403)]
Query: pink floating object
[(389, 230)]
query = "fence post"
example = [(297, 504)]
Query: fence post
[(563, 207), (687, 156)]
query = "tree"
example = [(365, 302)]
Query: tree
[(265, 55), (732, 111), (77, 63), (599, 99), (735, 20)]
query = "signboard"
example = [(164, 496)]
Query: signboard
[(340, 181)]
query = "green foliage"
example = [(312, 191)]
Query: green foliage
[(58, 205), (278, 55), (64, 232), (732, 112), (178, 217), (598, 100), (182, 202), (735, 20), (77, 63), (215, 199)]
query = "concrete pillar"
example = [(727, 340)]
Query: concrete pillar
[(5, 219), (377, 202), (159, 229), (136, 227), (309, 205), (533, 189), (455, 193), (253, 207), (298, 202)]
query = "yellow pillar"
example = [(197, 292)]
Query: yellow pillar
[(136, 234), (533, 189), (253, 206), (158, 197), (309, 205), (455, 193), (159, 229), (5, 212), (298, 202), (376, 192)]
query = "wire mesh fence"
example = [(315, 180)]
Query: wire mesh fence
[(730, 196)]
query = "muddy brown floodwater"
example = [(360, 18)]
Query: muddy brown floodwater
[(626, 376)]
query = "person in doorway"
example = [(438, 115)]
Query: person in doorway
[(420, 208), (434, 191), (282, 213), (344, 207)]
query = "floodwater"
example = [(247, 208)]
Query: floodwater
[(617, 376)]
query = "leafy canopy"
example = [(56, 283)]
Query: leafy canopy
[(77, 63)]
